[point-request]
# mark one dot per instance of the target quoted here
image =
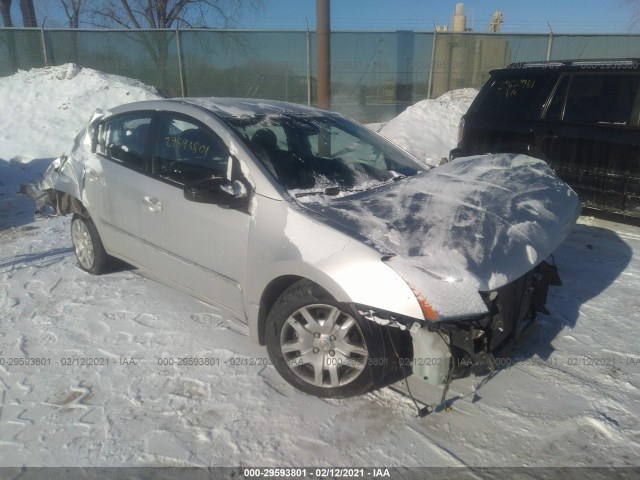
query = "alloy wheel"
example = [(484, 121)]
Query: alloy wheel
[(323, 346), (83, 244)]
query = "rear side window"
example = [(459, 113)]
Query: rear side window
[(596, 99), (124, 138), (512, 96)]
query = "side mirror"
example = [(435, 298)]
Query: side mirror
[(218, 191)]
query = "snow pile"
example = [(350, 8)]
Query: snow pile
[(429, 129), (44, 108)]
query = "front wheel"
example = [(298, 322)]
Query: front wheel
[(319, 346), (87, 245)]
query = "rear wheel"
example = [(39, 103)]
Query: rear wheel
[(319, 345), (87, 245)]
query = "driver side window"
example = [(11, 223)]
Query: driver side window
[(186, 151)]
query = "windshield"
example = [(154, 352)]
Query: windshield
[(328, 155)]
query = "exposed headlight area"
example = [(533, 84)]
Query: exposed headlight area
[(389, 319)]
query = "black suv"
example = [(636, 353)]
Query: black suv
[(582, 117)]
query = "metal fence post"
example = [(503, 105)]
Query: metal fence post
[(433, 62), (550, 42), (308, 65), (44, 47), (183, 86)]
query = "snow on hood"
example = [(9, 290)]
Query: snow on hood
[(474, 224)]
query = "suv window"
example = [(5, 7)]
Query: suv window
[(512, 96), (186, 151), (124, 138), (597, 99)]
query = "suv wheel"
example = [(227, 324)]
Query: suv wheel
[(318, 345), (87, 245)]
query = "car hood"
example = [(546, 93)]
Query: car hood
[(474, 224)]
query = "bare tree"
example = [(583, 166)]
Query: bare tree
[(137, 15), (634, 5), (140, 14), (5, 10), (73, 9), (28, 13)]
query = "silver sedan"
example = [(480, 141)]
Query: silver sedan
[(354, 264)]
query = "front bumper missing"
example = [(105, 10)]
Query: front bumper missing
[(474, 342), (454, 348)]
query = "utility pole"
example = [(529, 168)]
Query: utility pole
[(323, 52)]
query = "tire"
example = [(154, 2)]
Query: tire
[(87, 245), (321, 346)]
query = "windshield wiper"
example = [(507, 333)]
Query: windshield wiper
[(394, 179), (333, 191), (329, 191)]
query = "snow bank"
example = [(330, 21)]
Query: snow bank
[(42, 111), (429, 129), (44, 108)]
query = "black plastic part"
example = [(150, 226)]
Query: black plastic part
[(475, 341)]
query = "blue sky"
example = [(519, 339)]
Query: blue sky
[(520, 15), (601, 16)]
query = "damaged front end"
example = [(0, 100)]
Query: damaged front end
[(469, 239), (446, 349), (474, 342)]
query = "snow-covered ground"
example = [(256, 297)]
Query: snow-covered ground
[(85, 377)]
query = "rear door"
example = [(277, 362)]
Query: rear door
[(589, 135), (115, 177), (200, 246)]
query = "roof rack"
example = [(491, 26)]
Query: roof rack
[(628, 62)]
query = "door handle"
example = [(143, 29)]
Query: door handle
[(153, 203)]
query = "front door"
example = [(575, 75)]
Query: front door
[(203, 247)]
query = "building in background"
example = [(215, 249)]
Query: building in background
[(461, 60)]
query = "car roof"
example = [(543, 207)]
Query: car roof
[(226, 107), (610, 65)]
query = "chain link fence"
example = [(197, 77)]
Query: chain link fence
[(374, 75)]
